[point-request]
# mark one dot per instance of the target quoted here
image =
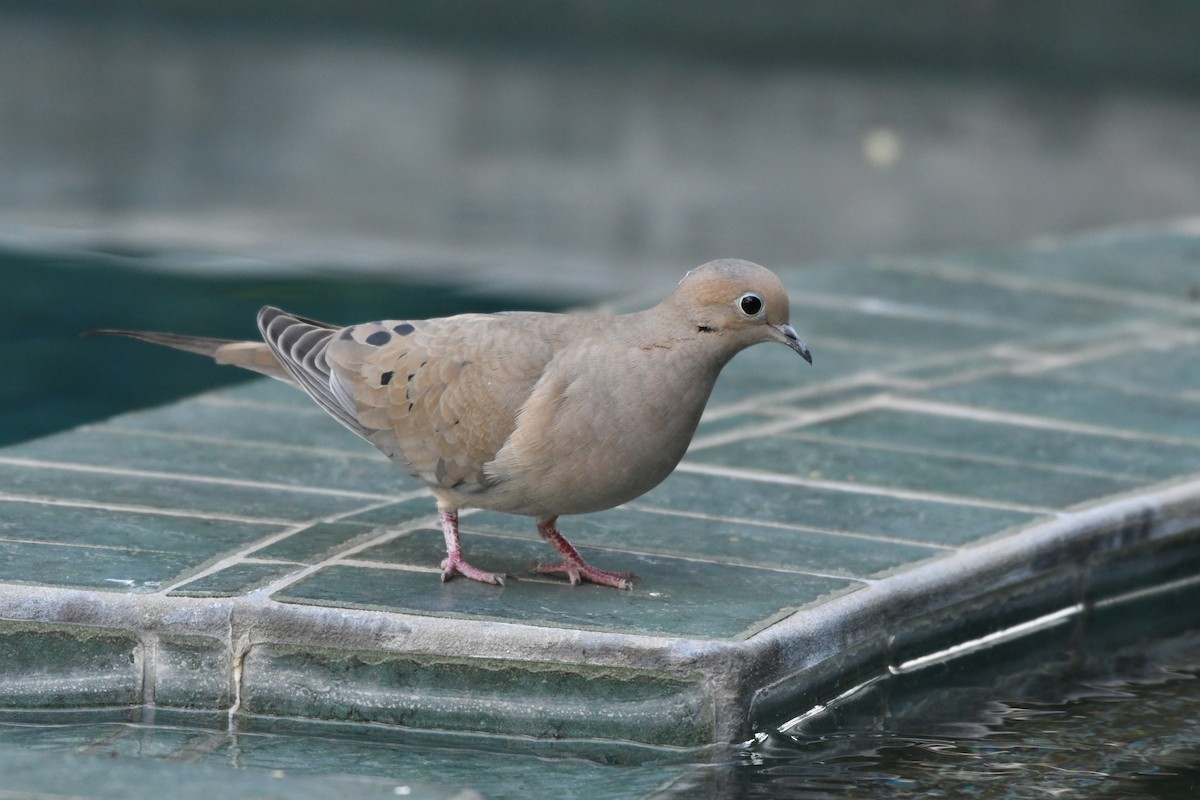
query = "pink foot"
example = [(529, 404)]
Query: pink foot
[(586, 572), (455, 565), (573, 565)]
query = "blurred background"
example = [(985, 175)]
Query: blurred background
[(177, 163)]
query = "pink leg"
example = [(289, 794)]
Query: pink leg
[(454, 562), (573, 564)]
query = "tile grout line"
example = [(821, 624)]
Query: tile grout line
[(871, 537), (1127, 298), (239, 557), (365, 454), (132, 509), (127, 472), (794, 419), (860, 488), (869, 444), (264, 592), (980, 414)]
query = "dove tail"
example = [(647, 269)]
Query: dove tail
[(255, 356)]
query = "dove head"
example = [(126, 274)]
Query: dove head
[(738, 303)]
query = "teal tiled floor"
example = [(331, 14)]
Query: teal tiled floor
[(979, 432)]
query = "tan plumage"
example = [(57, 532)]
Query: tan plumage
[(526, 413)]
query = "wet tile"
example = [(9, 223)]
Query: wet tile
[(300, 428), (768, 368), (886, 333), (104, 447), (672, 596), (264, 390), (234, 580), (193, 672), (716, 540), (90, 568), (709, 425), (1166, 263), (113, 550), (316, 542), (180, 495), (1108, 407), (92, 527), (1018, 443), (395, 515), (954, 476), (1169, 371), (917, 521), (487, 696), (48, 665), (949, 368), (982, 303)]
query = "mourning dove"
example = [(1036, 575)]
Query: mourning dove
[(526, 413)]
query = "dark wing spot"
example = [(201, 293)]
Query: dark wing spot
[(404, 329), (386, 378), (705, 329), (379, 337)]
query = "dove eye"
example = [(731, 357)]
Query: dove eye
[(750, 304)]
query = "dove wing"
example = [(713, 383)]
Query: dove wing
[(440, 397)]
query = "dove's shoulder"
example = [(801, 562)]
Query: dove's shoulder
[(441, 396)]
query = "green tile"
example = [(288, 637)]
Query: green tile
[(1161, 263), (115, 550), (158, 533), (901, 336), (1170, 371), (47, 665), (917, 521), (264, 390), (53, 483), (726, 542), (522, 698), (193, 672), (235, 579), (947, 368), (773, 368), (301, 428), (987, 304), (672, 596), (105, 447), (1047, 396), (709, 426), (316, 542), (977, 438), (395, 515), (90, 568), (957, 476)]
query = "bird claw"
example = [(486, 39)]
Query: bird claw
[(585, 572), (452, 566)]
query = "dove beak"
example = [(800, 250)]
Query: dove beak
[(788, 336)]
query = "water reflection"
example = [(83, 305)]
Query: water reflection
[(1075, 720)]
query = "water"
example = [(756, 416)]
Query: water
[(55, 380), (1130, 735)]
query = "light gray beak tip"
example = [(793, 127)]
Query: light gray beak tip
[(792, 340)]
